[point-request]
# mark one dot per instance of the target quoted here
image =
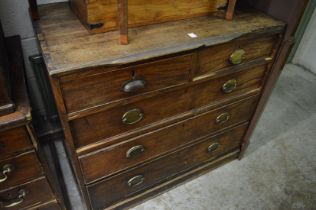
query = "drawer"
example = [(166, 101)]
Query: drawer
[(233, 53), (20, 169), (48, 206), (124, 155), (100, 88), (14, 141), (109, 123), (102, 194), (27, 195)]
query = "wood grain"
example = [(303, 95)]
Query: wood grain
[(103, 125), (217, 57), (38, 192), (100, 88), (145, 12), (14, 141), (102, 194), (26, 167), (67, 46), (112, 159)]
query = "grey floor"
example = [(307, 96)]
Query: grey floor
[(278, 170)]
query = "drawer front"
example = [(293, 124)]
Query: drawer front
[(27, 195), (121, 156), (49, 206), (109, 123), (19, 170), (233, 53), (97, 89), (14, 141), (102, 194)]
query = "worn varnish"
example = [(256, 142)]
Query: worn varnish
[(112, 159), (68, 46), (102, 15), (134, 116), (163, 168)]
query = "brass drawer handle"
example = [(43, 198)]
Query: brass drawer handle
[(132, 116), (222, 118), (6, 170), (134, 85), (135, 151), (16, 201), (213, 147), (136, 180), (229, 86), (237, 57)]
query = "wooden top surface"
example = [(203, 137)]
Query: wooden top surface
[(67, 45)]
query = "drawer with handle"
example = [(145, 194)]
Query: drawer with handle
[(100, 88), (27, 195), (115, 158), (14, 141), (20, 169), (110, 191), (234, 53), (140, 114)]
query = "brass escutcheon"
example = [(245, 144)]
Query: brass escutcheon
[(135, 151), (229, 86), (136, 180), (222, 118), (132, 116), (237, 57), (213, 147)]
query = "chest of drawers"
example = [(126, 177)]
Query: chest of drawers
[(141, 118), (24, 181)]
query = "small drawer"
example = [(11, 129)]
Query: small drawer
[(19, 170), (101, 88), (137, 150), (109, 123), (27, 195), (14, 141), (234, 53), (110, 191)]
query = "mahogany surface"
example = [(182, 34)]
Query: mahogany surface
[(189, 93)]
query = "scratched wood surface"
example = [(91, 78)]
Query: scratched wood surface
[(68, 46)]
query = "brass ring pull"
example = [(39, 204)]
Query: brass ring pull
[(237, 57), (136, 180), (132, 116), (6, 169), (134, 85), (222, 118), (229, 86), (14, 202), (135, 151), (213, 147)]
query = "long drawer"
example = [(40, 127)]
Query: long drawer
[(111, 122), (20, 169), (27, 195), (122, 186), (124, 155), (88, 91), (14, 141)]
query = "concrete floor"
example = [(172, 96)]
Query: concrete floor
[(278, 170)]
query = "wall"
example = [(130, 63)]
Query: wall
[(306, 52), (15, 19)]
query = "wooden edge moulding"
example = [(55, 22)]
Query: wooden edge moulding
[(123, 17)]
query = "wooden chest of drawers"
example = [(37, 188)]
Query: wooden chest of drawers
[(24, 183), (144, 117)]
